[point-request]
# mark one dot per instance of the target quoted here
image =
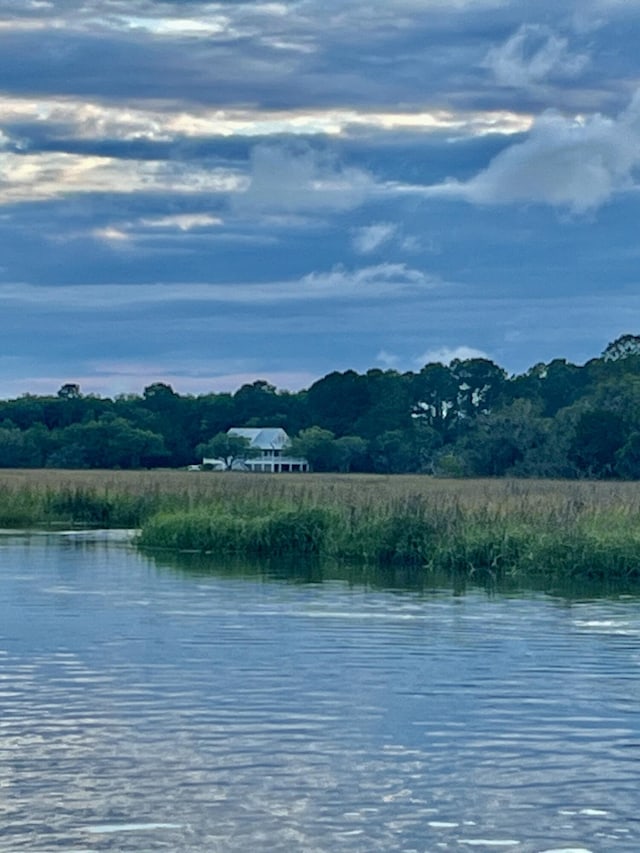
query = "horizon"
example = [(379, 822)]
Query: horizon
[(202, 386)]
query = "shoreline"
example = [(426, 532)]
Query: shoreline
[(500, 528)]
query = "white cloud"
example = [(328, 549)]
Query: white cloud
[(93, 120), (376, 280), (29, 177), (371, 237), (445, 355), (286, 180), (111, 234), (419, 5), (339, 283), (388, 359), (575, 163), (183, 221), (533, 54), (460, 123), (179, 27), (591, 15), (125, 232)]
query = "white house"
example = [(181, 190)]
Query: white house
[(271, 442)]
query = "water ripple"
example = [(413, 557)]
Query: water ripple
[(145, 710)]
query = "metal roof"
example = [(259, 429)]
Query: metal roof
[(263, 438)]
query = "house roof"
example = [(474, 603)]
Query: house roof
[(262, 438)]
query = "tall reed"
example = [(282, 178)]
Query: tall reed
[(499, 528)]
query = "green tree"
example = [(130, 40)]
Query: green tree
[(160, 397), (558, 384), (173, 420), (69, 391), (501, 441), (351, 453), (336, 401), (627, 458), (257, 404), (228, 448), (215, 413), (622, 347), (24, 412), (598, 437), (68, 456), (394, 452), (427, 443), (14, 450), (319, 447), (388, 404), (23, 448), (480, 385), (111, 442), (434, 396)]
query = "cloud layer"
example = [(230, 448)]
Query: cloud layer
[(210, 190)]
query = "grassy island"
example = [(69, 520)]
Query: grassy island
[(498, 527)]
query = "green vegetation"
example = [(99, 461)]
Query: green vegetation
[(492, 528), (515, 532), (465, 419), (280, 531)]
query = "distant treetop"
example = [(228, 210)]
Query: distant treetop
[(69, 391), (622, 347)]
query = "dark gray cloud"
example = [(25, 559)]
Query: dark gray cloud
[(292, 55)]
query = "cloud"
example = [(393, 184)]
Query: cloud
[(388, 359), (30, 177), (125, 232), (356, 55), (533, 54), (91, 119), (575, 163), (289, 180), (177, 27), (111, 234), (380, 280), (445, 355), (371, 237), (339, 283), (590, 15), (182, 221)]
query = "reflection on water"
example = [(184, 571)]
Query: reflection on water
[(153, 704), (390, 577)]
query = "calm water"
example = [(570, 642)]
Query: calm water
[(147, 707)]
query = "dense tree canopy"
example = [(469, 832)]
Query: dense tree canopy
[(467, 418)]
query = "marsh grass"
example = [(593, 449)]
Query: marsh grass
[(281, 531), (484, 528)]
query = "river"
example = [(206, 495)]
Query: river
[(151, 705)]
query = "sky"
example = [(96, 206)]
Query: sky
[(207, 194)]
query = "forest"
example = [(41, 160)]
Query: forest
[(466, 419)]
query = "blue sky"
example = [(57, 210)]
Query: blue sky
[(210, 193)]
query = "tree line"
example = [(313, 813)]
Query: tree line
[(468, 418)]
